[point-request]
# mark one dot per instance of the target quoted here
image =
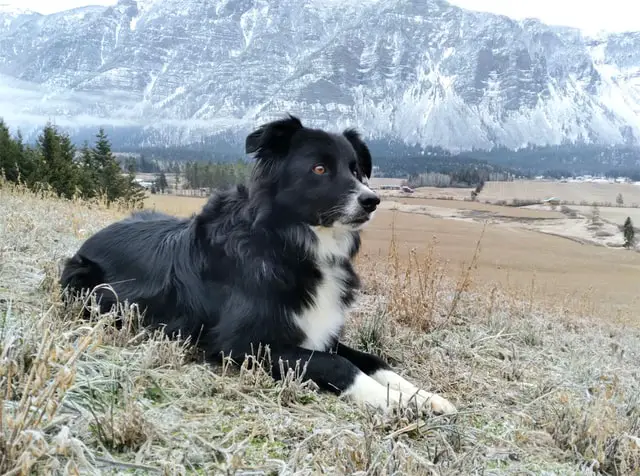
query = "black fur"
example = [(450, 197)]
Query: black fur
[(237, 274)]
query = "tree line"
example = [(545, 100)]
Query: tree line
[(566, 160), (435, 166), (55, 164), (463, 176), (204, 175), (215, 175)]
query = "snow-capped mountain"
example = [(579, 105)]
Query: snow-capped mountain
[(423, 71)]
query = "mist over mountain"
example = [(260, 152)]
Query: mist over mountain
[(413, 72)]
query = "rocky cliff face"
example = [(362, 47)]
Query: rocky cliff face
[(423, 71)]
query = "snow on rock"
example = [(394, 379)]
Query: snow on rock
[(422, 71)]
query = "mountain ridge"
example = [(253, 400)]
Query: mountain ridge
[(426, 73)]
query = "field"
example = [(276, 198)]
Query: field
[(537, 252), (435, 192), (472, 208), (543, 385), (615, 215), (573, 192)]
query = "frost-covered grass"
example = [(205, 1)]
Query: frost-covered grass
[(538, 390)]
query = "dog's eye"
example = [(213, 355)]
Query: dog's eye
[(319, 169)]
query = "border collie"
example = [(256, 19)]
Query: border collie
[(268, 263)]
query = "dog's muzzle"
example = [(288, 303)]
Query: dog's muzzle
[(369, 201)]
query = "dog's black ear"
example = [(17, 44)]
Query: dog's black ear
[(362, 151), (273, 137)]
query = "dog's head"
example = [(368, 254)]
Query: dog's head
[(318, 177)]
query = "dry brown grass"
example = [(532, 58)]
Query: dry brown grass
[(440, 193), (573, 192), (175, 205), (560, 273), (537, 391), (615, 215), (488, 209)]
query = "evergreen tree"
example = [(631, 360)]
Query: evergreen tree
[(89, 172), (135, 192), (10, 154), (161, 182), (629, 233), (177, 179), (57, 168), (131, 165), (26, 160), (48, 147), (52, 163), (111, 184), (148, 166), (68, 173), (145, 166)]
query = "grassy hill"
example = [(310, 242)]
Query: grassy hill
[(538, 388)]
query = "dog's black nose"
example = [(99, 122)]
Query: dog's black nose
[(369, 201)]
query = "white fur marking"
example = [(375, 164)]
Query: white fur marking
[(353, 206), (332, 242), (322, 322), (365, 390), (395, 381), (408, 390)]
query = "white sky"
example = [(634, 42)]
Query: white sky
[(589, 15), (51, 6)]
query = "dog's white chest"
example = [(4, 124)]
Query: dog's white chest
[(322, 322)]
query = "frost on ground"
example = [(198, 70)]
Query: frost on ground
[(539, 392)]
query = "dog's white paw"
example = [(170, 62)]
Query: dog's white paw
[(366, 390), (424, 399), (437, 404)]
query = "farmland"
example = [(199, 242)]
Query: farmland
[(537, 251), (572, 192)]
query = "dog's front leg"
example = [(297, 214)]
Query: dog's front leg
[(382, 373), (337, 374)]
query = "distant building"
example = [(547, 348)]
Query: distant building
[(551, 201), (381, 183), (144, 184)]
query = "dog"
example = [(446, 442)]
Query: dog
[(265, 263)]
